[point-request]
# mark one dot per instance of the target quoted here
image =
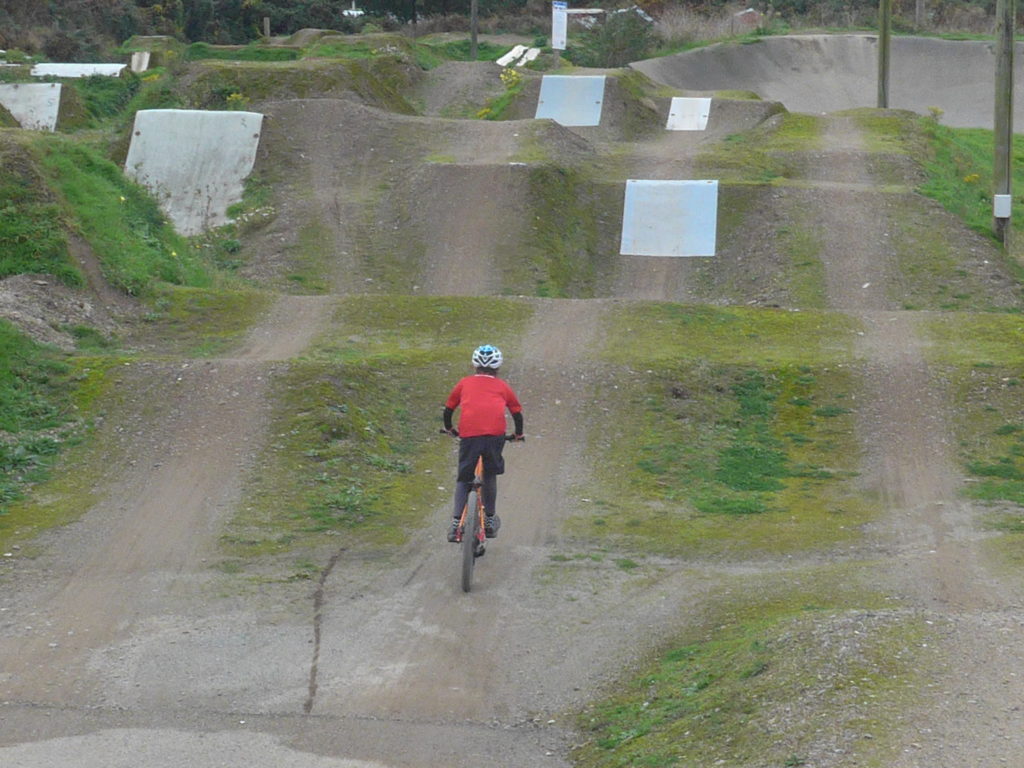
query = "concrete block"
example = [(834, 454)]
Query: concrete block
[(140, 61), (76, 70), (194, 162), (33, 105), (511, 56), (688, 114)]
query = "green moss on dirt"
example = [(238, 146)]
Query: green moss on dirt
[(568, 251), (761, 154), (379, 82), (932, 273), (199, 322), (311, 257), (988, 423), (641, 116), (355, 451), (7, 119), (974, 339), (664, 333), (106, 392), (737, 433), (37, 418), (802, 241), (765, 679)]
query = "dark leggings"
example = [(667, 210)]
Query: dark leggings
[(489, 491)]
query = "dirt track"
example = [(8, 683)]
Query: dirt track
[(118, 650)]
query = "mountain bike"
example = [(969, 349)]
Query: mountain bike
[(471, 535)]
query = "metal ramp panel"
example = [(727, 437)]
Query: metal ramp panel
[(571, 101), (669, 218)]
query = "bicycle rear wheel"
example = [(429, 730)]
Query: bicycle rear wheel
[(469, 539)]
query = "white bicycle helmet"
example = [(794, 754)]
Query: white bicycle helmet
[(487, 357)]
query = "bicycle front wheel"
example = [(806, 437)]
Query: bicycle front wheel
[(470, 532)]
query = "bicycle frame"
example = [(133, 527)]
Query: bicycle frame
[(474, 489), (471, 531)]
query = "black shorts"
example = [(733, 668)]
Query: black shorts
[(471, 448)]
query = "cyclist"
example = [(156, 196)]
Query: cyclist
[(482, 399)]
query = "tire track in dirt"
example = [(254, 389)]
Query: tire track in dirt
[(906, 436), (160, 514)]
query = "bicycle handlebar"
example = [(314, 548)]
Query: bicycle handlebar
[(508, 438)]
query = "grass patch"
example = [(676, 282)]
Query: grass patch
[(36, 418), (252, 52), (728, 442), (32, 237), (564, 252), (958, 163), (660, 333), (128, 233), (841, 672), (355, 450), (105, 98), (458, 50), (760, 154), (970, 339)]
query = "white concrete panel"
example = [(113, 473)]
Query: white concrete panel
[(33, 105), (571, 101), (669, 218), (511, 56), (688, 114), (76, 70), (194, 162), (529, 56), (140, 61)]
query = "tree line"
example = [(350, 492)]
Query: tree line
[(83, 29)]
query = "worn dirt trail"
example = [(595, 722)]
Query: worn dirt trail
[(929, 531), (429, 670), (158, 520)]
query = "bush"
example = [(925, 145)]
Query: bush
[(622, 38), (62, 47)]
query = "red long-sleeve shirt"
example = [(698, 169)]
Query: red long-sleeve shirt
[(482, 399)]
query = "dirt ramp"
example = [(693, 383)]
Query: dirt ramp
[(457, 88), (465, 219), (827, 73)]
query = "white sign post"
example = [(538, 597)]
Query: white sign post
[(559, 24)]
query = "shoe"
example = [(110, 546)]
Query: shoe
[(453, 532), (491, 525)]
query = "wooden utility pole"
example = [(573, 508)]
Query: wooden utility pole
[(1002, 170), (884, 29), (473, 23)]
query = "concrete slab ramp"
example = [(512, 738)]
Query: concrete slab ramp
[(51, 69), (194, 162), (827, 73), (33, 105)]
